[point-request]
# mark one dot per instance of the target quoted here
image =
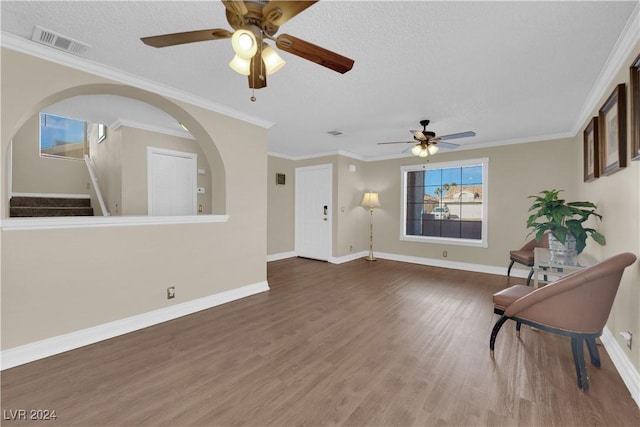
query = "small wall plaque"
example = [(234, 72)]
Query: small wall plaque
[(280, 178)]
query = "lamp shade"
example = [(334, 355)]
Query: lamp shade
[(240, 65), (244, 43), (416, 150), (432, 149), (370, 200), (423, 152), (272, 61)]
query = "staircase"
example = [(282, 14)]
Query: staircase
[(20, 206)]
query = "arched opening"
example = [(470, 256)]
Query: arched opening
[(215, 200)]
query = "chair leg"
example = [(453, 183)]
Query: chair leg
[(529, 277), (494, 332), (578, 358), (593, 351), (509, 269)]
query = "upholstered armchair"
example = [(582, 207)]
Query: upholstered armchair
[(524, 255), (577, 306)]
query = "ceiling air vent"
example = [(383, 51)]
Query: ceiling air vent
[(59, 41), (334, 132)]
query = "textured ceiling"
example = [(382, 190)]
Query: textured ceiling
[(510, 71)]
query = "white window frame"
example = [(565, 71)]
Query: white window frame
[(482, 243), (85, 143)]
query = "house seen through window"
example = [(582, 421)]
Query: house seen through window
[(66, 137), (446, 202)]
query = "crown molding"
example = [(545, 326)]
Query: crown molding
[(622, 49), (151, 128), (22, 45), (539, 138)]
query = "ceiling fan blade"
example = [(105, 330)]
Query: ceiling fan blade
[(186, 37), (447, 144), (458, 135), (236, 7), (258, 75), (278, 12), (397, 142), (314, 53)]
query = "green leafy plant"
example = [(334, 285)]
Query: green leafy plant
[(561, 218)]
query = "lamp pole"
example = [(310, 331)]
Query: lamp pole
[(370, 200), (370, 256)]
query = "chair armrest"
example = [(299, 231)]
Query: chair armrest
[(530, 245)]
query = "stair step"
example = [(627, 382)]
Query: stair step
[(30, 211), (49, 202)]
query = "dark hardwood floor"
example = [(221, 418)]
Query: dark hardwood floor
[(361, 344)]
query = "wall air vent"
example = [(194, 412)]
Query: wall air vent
[(53, 39)]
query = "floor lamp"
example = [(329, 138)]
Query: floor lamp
[(370, 200)]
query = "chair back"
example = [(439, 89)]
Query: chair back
[(533, 243), (579, 302)]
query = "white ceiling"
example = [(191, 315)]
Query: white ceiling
[(510, 71)]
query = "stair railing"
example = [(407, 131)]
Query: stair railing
[(96, 186)]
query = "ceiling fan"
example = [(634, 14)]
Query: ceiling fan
[(427, 143), (254, 22)]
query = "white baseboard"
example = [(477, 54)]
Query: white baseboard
[(433, 262), (281, 255), (515, 272), (48, 347), (346, 258), (332, 260), (627, 371)]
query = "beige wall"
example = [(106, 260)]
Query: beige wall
[(35, 174), (60, 281), (618, 199), (106, 158), (352, 225), (134, 167), (513, 175), (280, 206), (349, 232)]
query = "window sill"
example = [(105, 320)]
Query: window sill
[(14, 224), (445, 241)]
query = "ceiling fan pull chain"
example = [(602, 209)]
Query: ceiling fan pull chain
[(262, 72)]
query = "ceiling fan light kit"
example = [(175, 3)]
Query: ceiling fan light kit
[(427, 143), (253, 22), (241, 65), (244, 43), (272, 61)]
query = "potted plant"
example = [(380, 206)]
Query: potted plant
[(565, 224)]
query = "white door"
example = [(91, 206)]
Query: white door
[(313, 211), (172, 182)]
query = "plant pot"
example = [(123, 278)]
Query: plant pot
[(562, 253)]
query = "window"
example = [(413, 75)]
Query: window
[(445, 203), (65, 137)]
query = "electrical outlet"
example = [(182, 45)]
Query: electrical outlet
[(628, 337), (444, 254), (171, 292)]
